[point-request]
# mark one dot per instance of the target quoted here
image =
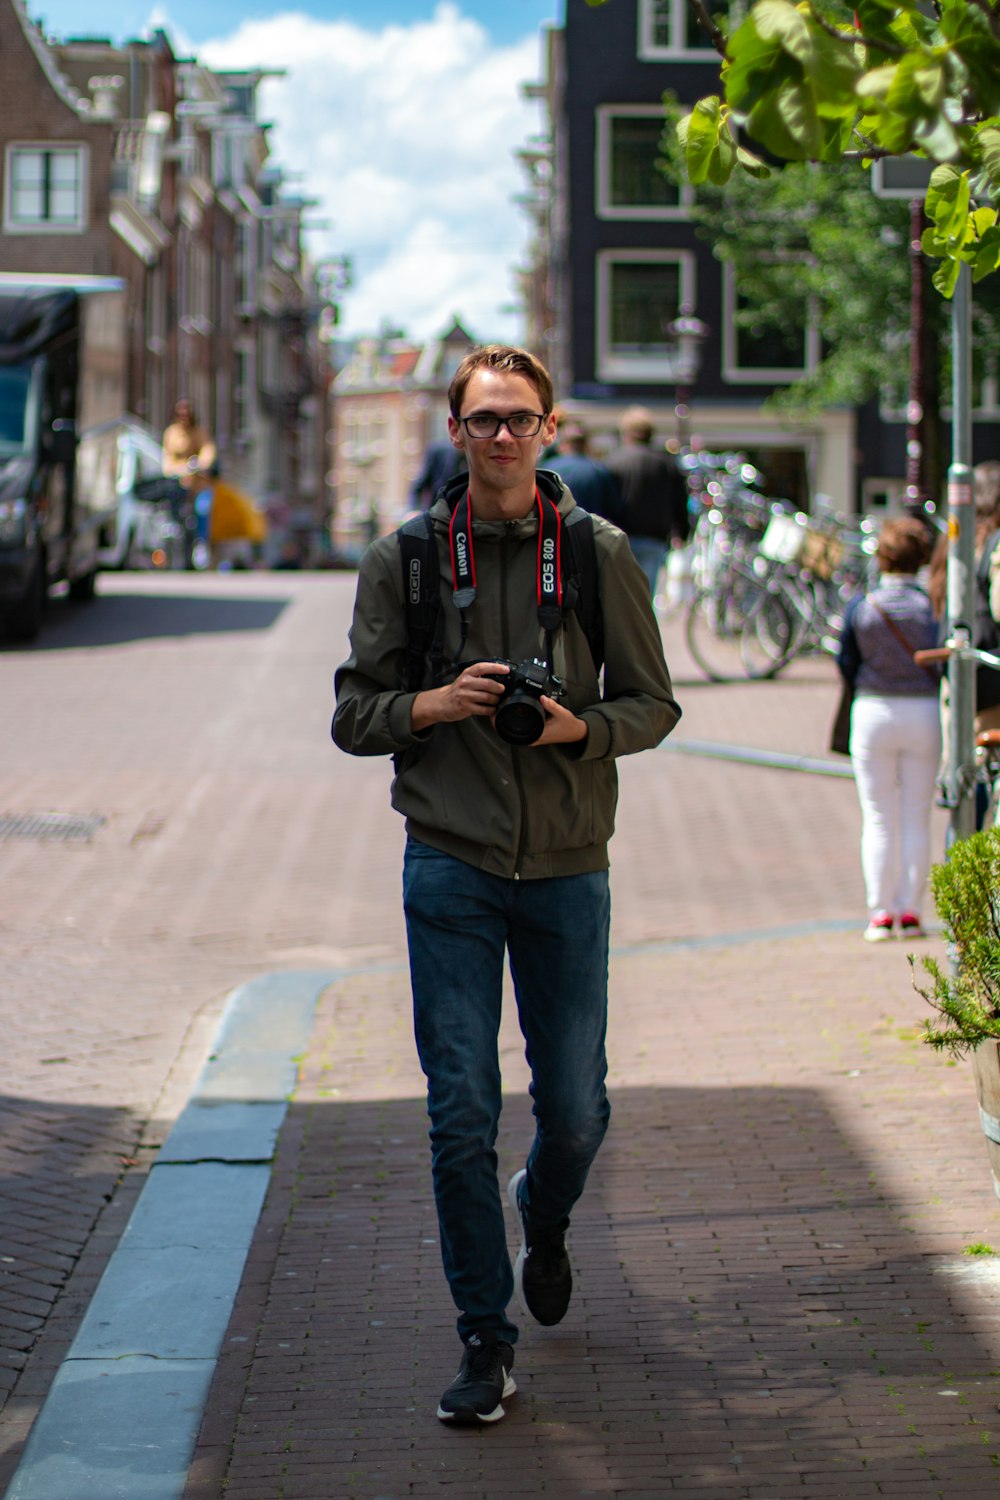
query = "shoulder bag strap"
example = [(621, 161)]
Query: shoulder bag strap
[(901, 638)]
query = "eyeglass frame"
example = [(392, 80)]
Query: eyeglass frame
[(486, 437)]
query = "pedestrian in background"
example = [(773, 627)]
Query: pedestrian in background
[(440, 464), (189, 455), (507, 842), (654, 496), (895, 739), (592, 484)]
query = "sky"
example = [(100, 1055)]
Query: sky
[(400, 118)]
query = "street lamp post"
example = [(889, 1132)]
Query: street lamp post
[(689, 334)]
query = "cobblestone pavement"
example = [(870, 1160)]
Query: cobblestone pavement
[(786, 1192), (771, 1295)]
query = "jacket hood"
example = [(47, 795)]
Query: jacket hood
[(549, 484)]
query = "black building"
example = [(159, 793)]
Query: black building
[(617, 262)]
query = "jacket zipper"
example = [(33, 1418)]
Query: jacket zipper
[(515, 754)]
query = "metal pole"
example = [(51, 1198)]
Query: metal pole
[(916, 418), (961, 566)]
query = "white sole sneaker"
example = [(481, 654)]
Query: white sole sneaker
[(512, 1190)]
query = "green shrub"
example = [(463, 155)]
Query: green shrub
[(966, 1001)]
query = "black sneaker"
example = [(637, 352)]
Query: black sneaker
[(482, 1382), (542, 1275)]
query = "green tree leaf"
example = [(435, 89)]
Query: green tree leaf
[(945, 278), (698, 133), (988, 147), (787, 123), (947, 202), (779, 22), (987, 256), (755, 66), (723, 159)]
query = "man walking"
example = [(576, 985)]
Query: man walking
[(591, 483), (508, 822), (654, 510)]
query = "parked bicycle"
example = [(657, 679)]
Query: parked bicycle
[(770, 583)]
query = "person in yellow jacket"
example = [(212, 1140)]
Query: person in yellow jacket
[(189, 455)]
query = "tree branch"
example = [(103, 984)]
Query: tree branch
[(707, 24), (853, 38)]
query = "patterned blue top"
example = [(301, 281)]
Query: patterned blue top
[(872, 658)]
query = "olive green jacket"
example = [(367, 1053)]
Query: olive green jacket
[(526, 811)]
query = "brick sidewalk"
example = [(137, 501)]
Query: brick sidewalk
[(193, 714), (772, 1298)]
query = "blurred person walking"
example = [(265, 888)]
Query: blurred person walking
[(654, 497), (895, 741), (189, 455), (592, 483), (441, 463)]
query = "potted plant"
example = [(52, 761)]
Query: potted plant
[(966, 997)]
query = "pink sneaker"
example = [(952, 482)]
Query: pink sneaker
[(879, 929), (910, 925)]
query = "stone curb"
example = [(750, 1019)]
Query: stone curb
[(123, 1413)]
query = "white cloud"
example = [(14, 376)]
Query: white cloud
[(406, 136)]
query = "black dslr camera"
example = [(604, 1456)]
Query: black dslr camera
[(520, 717)]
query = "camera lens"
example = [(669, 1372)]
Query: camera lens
[(519, 719)]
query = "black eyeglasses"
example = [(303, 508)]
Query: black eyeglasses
[(486, 424)]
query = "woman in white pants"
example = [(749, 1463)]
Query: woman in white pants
[(895, 730)]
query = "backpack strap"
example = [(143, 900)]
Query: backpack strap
[(581, 592), (421, 593)]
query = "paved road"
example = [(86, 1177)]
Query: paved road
[(190, 716)]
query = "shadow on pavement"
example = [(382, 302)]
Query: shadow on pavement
[(116, 619), (60, 1167), (752, 1317)]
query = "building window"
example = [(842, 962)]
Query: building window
[(630, 180), (638, 293), (757, 351), (670, 28), (45, 189)]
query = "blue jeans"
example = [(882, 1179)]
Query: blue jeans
[(203, 513), (650, 554), (459, 921)]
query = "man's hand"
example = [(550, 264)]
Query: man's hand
[(474, 693), (562, 727)]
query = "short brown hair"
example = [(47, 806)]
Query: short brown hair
[(506, 360), (637, 422), (904, 545)]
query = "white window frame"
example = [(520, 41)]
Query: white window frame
[(605, 209), (13, 149), (735, 374), (649, 50), (622, 368)]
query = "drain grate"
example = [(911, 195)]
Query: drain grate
[(44, 828)]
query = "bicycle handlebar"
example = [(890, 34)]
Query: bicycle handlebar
[(950, 648)]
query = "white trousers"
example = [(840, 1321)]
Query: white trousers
[(895, 752)]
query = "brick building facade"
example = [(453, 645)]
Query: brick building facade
[(126, 161)]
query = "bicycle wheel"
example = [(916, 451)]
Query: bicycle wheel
[(802, 596), (713, 631), (768, 640)]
